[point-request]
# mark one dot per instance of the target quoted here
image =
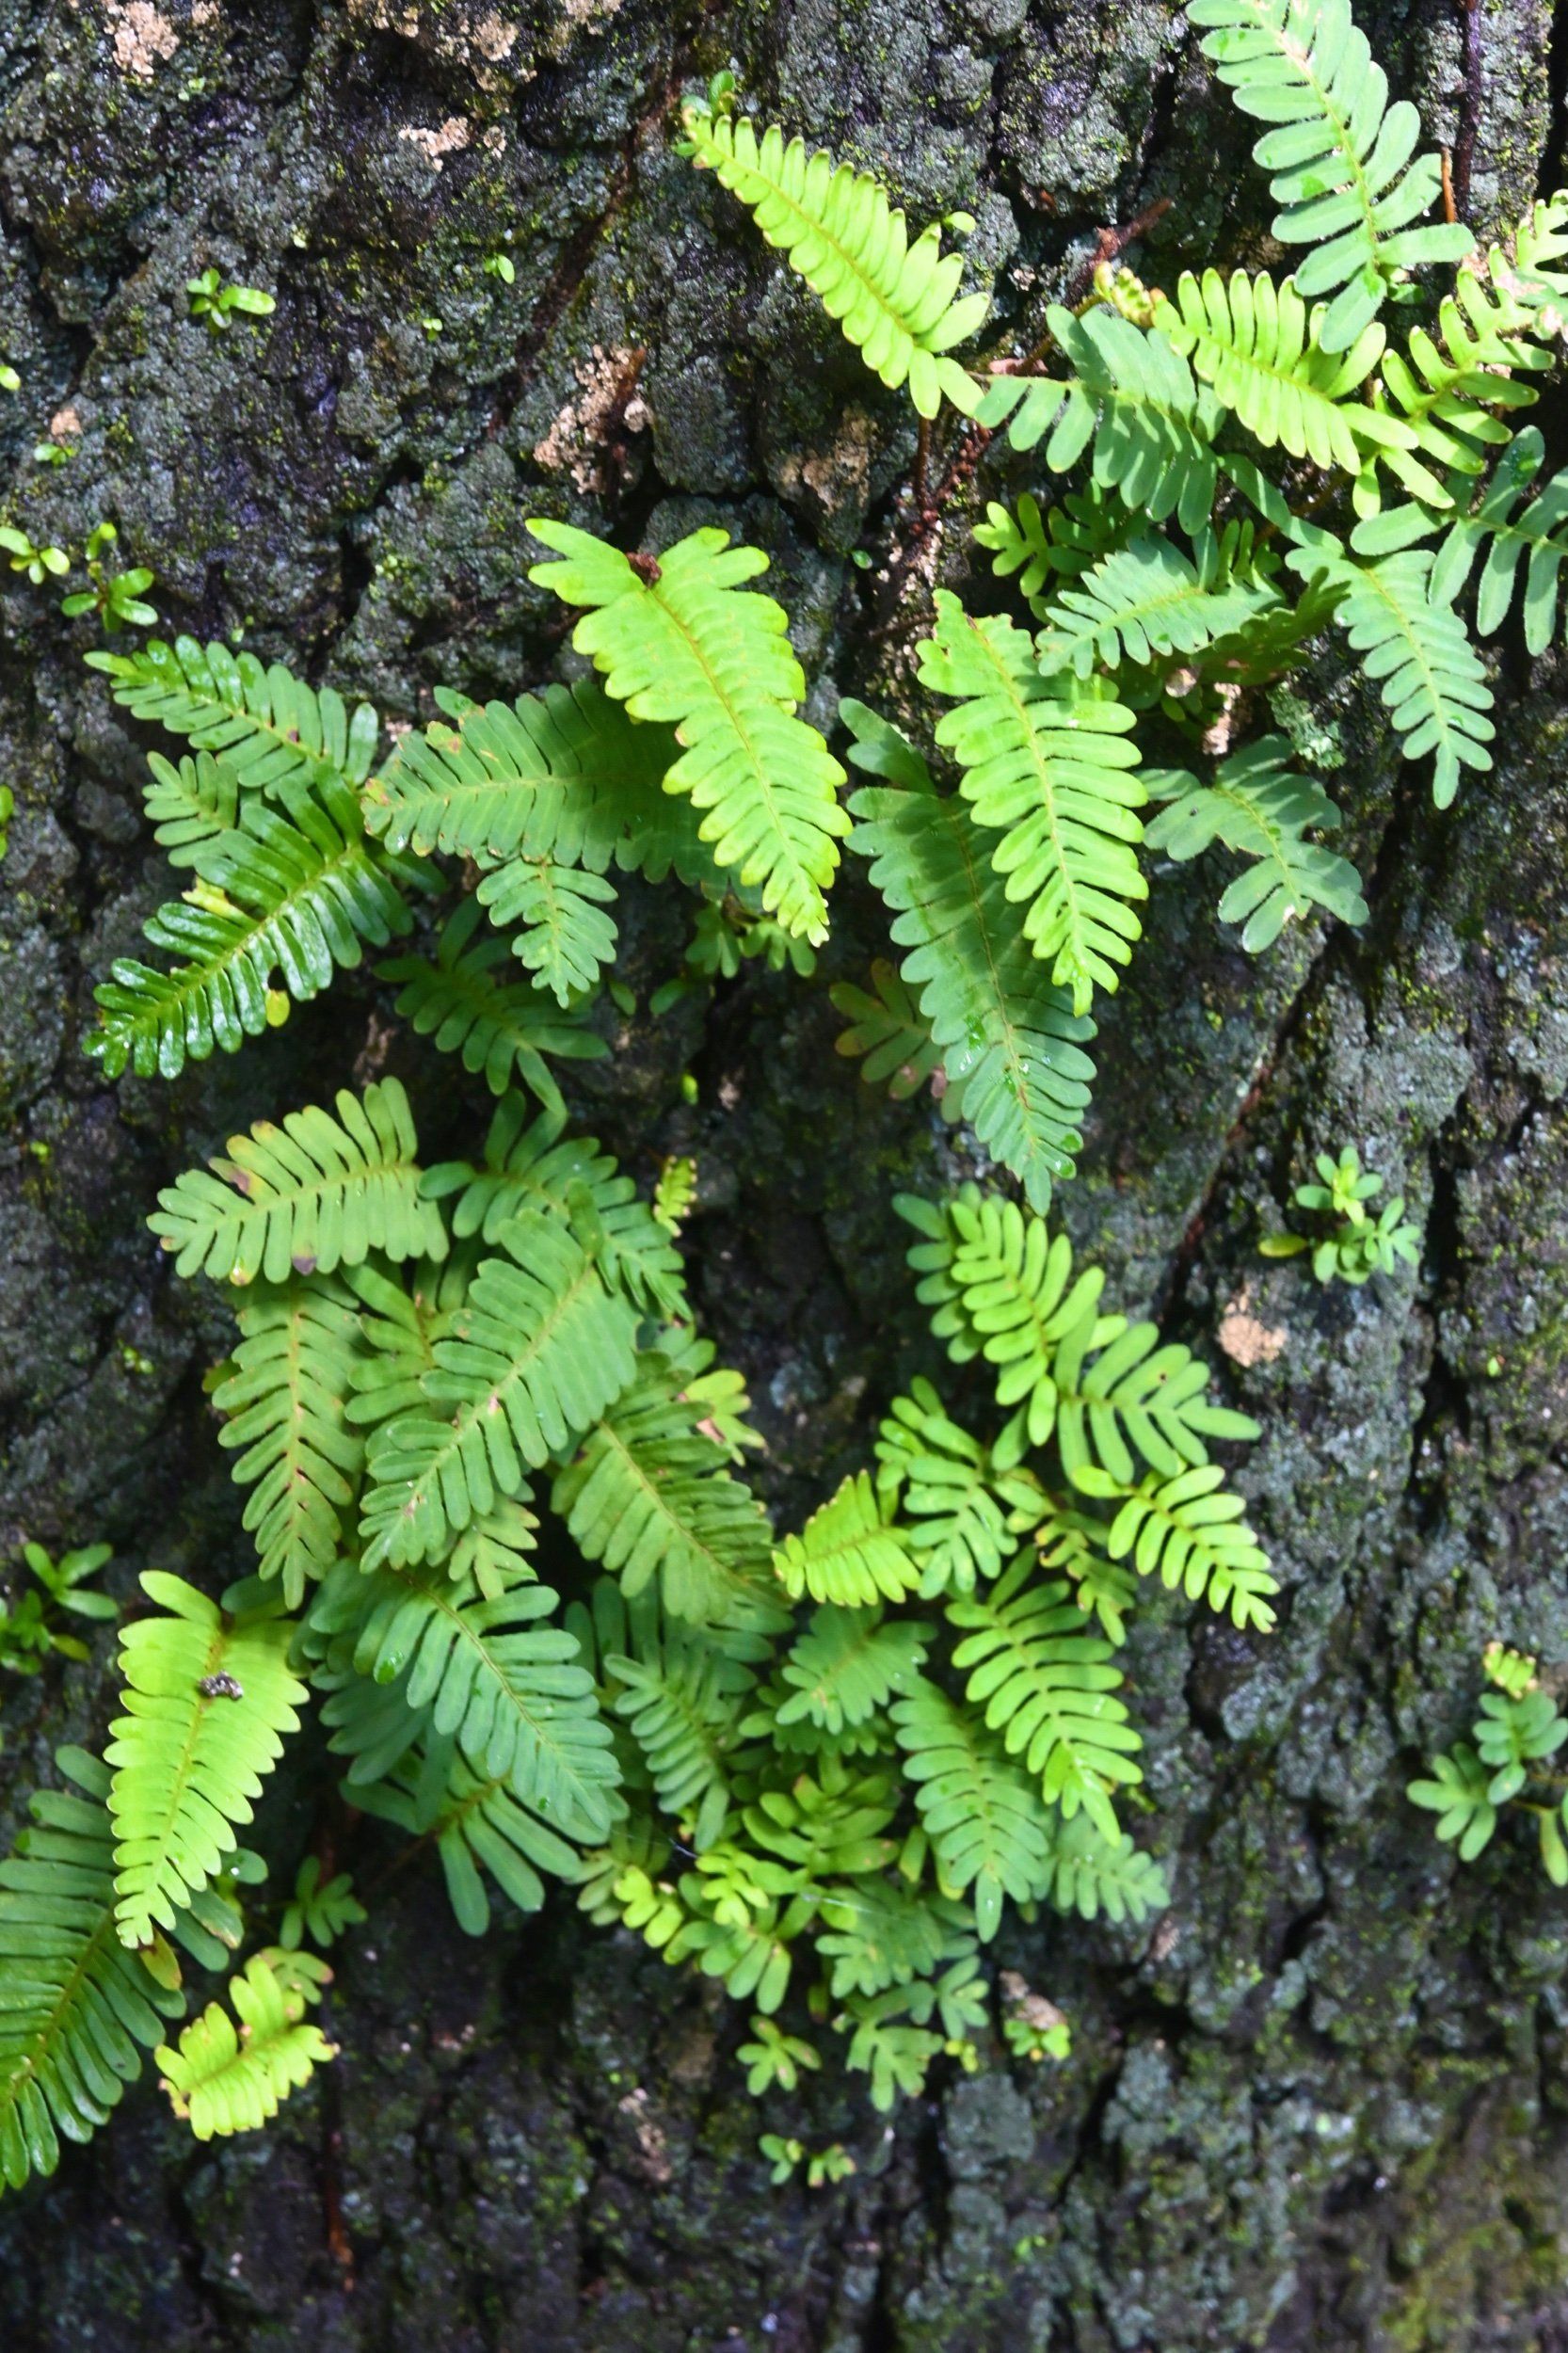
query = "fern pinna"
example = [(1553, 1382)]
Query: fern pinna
[(818, 1763)]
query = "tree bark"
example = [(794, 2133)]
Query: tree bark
[(1322, 2103)]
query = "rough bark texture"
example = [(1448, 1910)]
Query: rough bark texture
[(1323, 2104)]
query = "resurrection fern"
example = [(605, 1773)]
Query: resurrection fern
[(894, 296), (688, 645), (208, 1698), (1257, 806), (1345, 172), (227, 2081), (490, 1461)]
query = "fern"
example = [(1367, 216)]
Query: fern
[(76, 2010), (208, 1699), (983, 1815), (1131, 395), (566, 774), (650, 1498), (538, 1350), (478, 1828), (498, 1025), (845, 1554), (269, 728), (1258, 806), (886, 1028), (1536, 536), (682, 1699), (510, 1690), (1149, 601), (1192, 1532), (1061, 543), (286, 898), (285, 1395), (536, 1167), (309, 1197), (1048, 1687), (225, 2081), (685, 646), (846, 1667), (893, 298), (965, 1506), (566, 938), (191, 805), (1051, 773), (1090, 1873), (1258, 345), (1010, 1044), (1341, 156), (1432, 677)]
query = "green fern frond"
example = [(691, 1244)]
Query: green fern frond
[(531, 1166), (966, 1508), (1257, 806), (847, 1665), (284, 900), (1192, 1531), (1050, 1688), (76, 2010), (687, 646), (510, 1690), (284, 1398), (888, 1029), (208, 1699), (1011, 1045), (310, 1196), (651, 1496), (1341, 156), (1134, 396), (983, 1815), (894, 299), (226, 2081), (1050, 773), (190, 805), (883, 1936), (478, 1827), (1257, 343), (537, 1352), (1137, 1396), (1537, 537), (1060, 544), (1449, 380), (683, 1698), (565, 773), (401, 1318), (1431, 677), (566, 938), (1149, 601), (270, 729), (1090, 1873), (469, 1002), (844, 1553)]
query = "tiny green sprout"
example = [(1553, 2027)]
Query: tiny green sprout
[(7, 810), (1512, 1671), (1031, 2027), (321, 1912), (772, 2057), (432, 326), (213, 300), (116, 597), (782, 2154), (133, 1361), (675, 1191), (29, 1631), (10, 380), (688, 1086), (1516, 1734), (833, 2164), (1360, 1246), (53, 453), (501, 265), (38, 563)]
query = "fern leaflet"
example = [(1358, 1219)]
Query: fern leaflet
[(845, 1554), (227, 2081), (1148, 600), (1257, 806), (496, 1023), (270, 729), (983, 1815)]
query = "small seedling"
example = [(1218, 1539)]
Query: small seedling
[(501, 265), (10, 380), (1360, 1245), (213, 300), (38, 563), (320, 1912), (29, 1630), (53, 453), (116, 597)]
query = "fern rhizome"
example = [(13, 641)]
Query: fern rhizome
[(817, 1764)]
